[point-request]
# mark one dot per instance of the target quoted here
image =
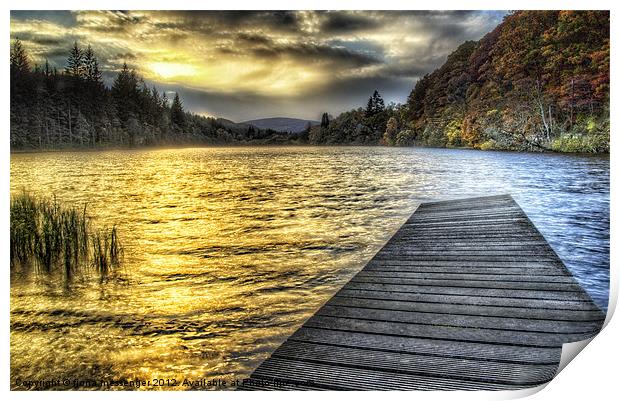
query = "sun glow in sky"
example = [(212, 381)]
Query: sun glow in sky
[(244, 65), (168, 70)]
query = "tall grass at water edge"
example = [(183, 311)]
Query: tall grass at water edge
[(52, 238)]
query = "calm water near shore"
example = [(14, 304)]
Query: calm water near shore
[(229, 250)]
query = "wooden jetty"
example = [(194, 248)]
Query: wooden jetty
[(467, 295)]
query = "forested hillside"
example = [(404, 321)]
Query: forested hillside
[(539, 81), (53, 109)]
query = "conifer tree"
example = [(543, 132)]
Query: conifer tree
[(378, 102), (75, 62), (370, 107), (91, 66), (124, 89), (19, 58), (325, 120), (375, 104), (21, 84), (177, 115)]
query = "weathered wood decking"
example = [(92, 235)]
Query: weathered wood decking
[(467, 295)]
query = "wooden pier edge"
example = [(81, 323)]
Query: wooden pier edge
[(466, 295)]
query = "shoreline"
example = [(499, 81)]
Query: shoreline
[(296, 145)]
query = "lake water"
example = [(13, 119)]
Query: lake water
[(229, 250)]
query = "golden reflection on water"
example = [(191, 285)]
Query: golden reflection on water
[(227, 251)]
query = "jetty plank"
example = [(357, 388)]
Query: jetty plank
[(467, 295)]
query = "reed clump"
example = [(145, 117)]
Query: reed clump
[(57, 239)]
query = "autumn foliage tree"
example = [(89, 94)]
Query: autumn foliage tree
[(536, 78)]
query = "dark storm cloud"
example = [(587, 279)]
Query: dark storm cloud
[(308, 52), (126, 56), (207, 21), (262, 46), (274, 20), (42, 40), (406, 70), (253, 38), (109, 21), (339, 22), (64, 18), (438, 13), (57, 56), (287, 19)]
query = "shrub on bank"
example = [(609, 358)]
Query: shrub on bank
[(576, 143)]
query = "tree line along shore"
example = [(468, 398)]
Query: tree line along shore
[(538, 82)]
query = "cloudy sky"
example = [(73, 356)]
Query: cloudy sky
[(245, 65)]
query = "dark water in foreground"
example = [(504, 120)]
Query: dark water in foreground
[(229, 250)]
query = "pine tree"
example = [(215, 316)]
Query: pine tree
[(124, 90), (93, 89), (325, 120), (378, 102), (19, 58), (156, 97), (375, 104), (22, 83), (177, 115), (123, 85), (370, 107), (75, 62), (91, 66)]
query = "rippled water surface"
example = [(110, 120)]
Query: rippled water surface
[(229, 250)]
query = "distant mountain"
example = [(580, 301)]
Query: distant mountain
[(281, 124), (231, 125)]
